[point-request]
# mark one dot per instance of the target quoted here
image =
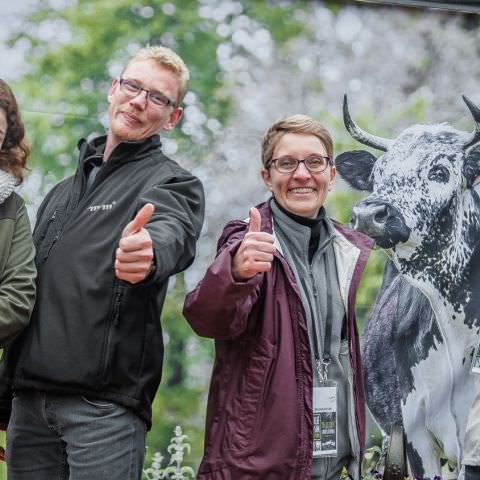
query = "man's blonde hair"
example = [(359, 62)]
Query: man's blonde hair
[(167, 58), (294, 124)]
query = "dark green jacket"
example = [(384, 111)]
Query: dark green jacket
[(17, 269)]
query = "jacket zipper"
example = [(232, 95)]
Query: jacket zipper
[(113, 321), (117, 305), (47, 226), (52, 243), (304, 447)]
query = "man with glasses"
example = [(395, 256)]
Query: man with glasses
[(286, 398), (86, 371)]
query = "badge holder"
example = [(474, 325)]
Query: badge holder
[(324, 415)]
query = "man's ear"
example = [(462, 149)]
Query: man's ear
[(112, 89), (471, 166), (355, 168), (174, 118)]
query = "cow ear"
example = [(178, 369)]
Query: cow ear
[(471, 166), (355, 168)]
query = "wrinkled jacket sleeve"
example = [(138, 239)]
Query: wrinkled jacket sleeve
[(219, 307), (176, 223), (17, 282)]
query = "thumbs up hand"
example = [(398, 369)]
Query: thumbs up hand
[(255, 253), (134, 255)]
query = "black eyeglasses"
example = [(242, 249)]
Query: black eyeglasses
[(315, 163), (132, 89)]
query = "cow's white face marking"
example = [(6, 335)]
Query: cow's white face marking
[(421, 176)]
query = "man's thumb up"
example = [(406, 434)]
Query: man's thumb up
[(142, 217), (255, 220)]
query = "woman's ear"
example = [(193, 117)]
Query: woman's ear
[(267, 179)]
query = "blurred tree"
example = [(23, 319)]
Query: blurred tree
[(78, 47)]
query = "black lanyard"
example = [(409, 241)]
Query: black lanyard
[(322, 364)]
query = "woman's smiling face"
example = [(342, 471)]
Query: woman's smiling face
[(301, 192)]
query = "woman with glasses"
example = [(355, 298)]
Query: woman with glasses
[(286, 398), (17, 268)]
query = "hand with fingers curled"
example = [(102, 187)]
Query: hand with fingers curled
[(134, 255), (255, 253)]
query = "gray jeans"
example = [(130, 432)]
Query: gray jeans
[(72, 437), (329, 468)]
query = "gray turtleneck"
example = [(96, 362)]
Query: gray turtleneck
[(311, 276)]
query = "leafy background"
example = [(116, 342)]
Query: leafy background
[(251, 62)]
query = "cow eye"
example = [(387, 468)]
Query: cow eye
[(438, 173)]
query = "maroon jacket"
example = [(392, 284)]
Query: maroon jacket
[(259, 413)]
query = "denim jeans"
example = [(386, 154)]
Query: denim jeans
[(472, 472), (73, 437)]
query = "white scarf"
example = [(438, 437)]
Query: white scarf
[(7, 185)]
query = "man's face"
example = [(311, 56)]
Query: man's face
[(301, 192), (136, 118)]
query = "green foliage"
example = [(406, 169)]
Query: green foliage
[(182, 398), (282, 23), (175, 469), (71, 77)]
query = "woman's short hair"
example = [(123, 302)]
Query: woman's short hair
[(167, 58), (14, 151), (294, 124)]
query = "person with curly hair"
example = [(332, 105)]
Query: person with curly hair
[(17, 266)]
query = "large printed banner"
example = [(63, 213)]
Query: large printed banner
[(423, 209)]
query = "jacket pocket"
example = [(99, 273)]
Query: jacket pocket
[(249, 405)]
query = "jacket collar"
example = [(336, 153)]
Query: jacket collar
[(124, 151), (355, 237)]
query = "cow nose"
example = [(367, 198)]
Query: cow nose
[(381, 221), (370, 218)]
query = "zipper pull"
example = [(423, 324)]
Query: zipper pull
[(118, 302), (52, 243), (314, 285)]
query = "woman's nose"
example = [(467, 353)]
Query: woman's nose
[(302, 171)]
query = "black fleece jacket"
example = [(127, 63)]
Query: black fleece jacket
[(91, 333)]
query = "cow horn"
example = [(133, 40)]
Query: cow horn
[(360, 135), (475, 111)]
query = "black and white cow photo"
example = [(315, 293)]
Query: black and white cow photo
[(424, 211)]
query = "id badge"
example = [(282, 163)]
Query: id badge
[(325, 419), (475, 368)]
